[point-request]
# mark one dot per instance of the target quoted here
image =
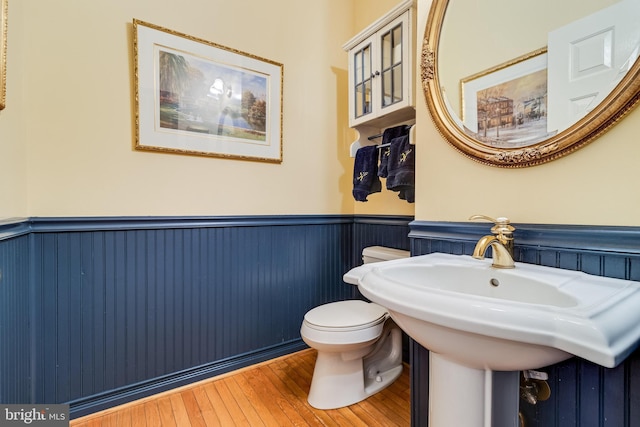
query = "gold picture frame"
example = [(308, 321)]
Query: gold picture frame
[(4, 8), (510, 96), (200, 98)]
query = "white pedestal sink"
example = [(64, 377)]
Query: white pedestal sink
[(483, 325)]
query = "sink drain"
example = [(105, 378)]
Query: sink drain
[(494, 282)]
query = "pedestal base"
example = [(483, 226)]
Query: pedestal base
[(463, 396)]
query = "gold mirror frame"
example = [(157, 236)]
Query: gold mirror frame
[(610, 111)]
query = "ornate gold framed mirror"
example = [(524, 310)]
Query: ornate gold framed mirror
[(541, 96)]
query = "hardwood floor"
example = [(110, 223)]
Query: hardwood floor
[(271, 394)]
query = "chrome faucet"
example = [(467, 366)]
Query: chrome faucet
[(501, 242)]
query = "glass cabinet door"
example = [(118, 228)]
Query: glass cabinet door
[(391, 65), (380, 74), (362, 81)]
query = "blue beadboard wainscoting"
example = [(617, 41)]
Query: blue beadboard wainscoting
[(96, 312), (582, 394), (100, 311)]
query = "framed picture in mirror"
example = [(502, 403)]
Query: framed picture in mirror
[(506, 106)]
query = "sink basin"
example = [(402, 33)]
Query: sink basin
[(482, 325), (477, 280), (505, 319)]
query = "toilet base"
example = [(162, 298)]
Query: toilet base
[(337, 383), (339, 379)]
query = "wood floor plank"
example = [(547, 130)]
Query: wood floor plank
[(304, 365), (165, 411), (241, 399), (209, 415), (271, 394), (269, 413), (193, 409), (380, 408), (341, 418), (138, 416), (294, 398), (225, 404), (151, 413), (111, 420), (299, 375), (281, 397), (288, 379), (179, 410), (360, 410), (124, 418), (387, 406), (274, 398)]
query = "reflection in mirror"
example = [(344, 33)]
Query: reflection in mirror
[(520, 83)]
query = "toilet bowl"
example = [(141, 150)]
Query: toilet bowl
[(359, 346)]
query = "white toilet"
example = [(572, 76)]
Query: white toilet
[(359, 346)]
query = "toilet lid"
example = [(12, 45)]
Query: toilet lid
[(346, 314)]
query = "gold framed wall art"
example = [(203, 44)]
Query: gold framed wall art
[(197, 97), (4, 9)]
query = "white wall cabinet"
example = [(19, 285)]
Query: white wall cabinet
[(381, 72)]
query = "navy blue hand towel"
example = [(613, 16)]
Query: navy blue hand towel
[(389, 135), (365, 173), (401, 175)]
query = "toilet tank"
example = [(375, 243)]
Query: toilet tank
[(381, 253)]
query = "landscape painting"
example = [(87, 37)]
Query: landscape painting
[(197, 97)]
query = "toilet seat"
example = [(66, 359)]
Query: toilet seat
[(345, 316)]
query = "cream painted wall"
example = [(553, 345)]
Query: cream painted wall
[(594, 186), (369, 11), (66, 135), (76, 109)]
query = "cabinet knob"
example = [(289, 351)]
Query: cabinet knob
[(377, 73)]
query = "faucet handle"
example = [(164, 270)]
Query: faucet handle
[(502, 224), (485, 217)]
